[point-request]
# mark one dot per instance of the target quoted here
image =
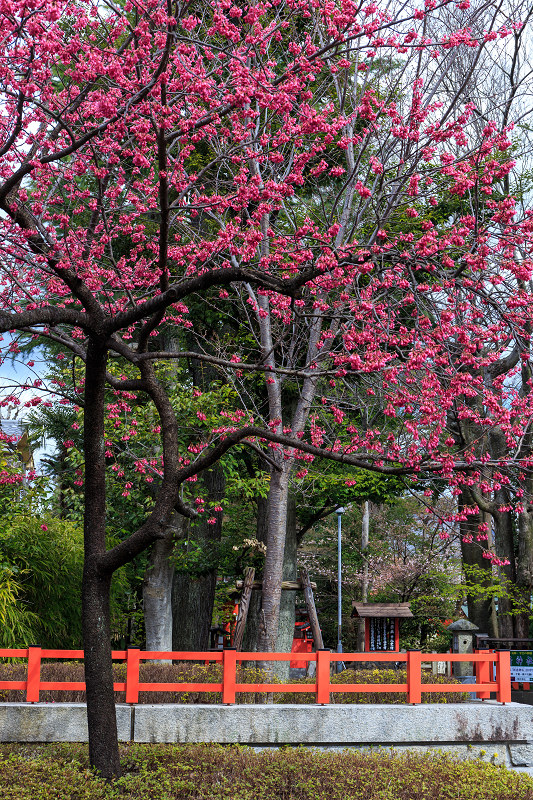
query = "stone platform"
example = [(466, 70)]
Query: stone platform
[(501, 733)]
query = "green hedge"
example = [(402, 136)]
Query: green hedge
[(212, 673), (212, 772)]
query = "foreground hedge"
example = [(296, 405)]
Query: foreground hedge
[(212, 772), (212, 673)]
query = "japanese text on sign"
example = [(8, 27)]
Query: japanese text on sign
[(522, 665)]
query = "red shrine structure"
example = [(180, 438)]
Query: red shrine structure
[(382, 624)]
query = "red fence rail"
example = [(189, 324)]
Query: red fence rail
[(322, 687)]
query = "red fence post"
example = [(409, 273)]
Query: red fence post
[(33, 679), (482, 672), (229, 675), (133, 658), (323, 686), (503, 676), (414, 676)]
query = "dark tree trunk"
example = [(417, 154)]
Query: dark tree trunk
[(193, 597), (524, 567), (480, 606), (504, 540), (192, 610), (101, 717), (524, 572), (253, 621)]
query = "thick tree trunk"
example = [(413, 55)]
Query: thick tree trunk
[(504, 540), (192, 610), (524, 572), (253, 622), (273, 570), (287, 610), (193, 597), (524, 567), (480, 607), (101, 717), (157, 594)]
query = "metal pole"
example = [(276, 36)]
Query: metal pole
[(364, 548), (339, 580)]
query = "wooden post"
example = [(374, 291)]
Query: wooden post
[(34, 674), (244, 605), (414, 676), (229, 675), (323, 686), (482, 673), (311, 609), (285, 585), (133, 658), (503, 676)]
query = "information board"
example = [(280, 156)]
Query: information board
[(382, 633), (522, 666)]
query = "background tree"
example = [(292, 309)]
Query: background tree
[(500, 90)]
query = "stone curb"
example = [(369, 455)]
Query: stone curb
[(488, 730)]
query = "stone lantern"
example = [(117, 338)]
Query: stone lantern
[(463, 642)]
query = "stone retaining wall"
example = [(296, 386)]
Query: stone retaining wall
[(503, 734)]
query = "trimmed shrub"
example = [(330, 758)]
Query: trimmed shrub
[(192, 672), (213, 772), (378, 676)]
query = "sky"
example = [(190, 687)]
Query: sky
[(13, 375)]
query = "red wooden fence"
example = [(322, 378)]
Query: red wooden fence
[(322, 687)]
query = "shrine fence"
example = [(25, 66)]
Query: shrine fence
[(492, 672)]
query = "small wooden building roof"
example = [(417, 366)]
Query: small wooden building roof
[(381, 609)]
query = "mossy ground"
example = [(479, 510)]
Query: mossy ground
[(213, 772)]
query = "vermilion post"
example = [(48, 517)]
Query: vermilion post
[(323, 686), (133, 658), (503, 676), (34, 673), (414, 676), (482, 671), (229, 676)]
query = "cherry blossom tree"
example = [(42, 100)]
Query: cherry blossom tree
[(357, 210), (285, 158), (494, 521)]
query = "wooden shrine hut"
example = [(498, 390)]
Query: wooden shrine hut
[(382, 624)]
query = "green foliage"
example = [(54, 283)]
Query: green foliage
[(378, 676), (17, 622), (188, 672), (149, 672), (472, 585), (40, 582), (41, 567), (407, 561), (331, 485), (214, 772)]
